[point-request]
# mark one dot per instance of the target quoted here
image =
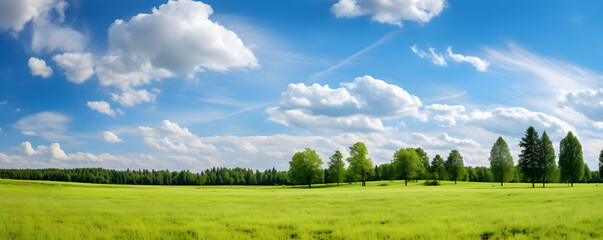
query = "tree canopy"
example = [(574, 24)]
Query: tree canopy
[(501, 161), (359, 163), (571, 160), (455, 165), (305, 168), (337, 167), (407, 163), (529, 160), (547, 159)]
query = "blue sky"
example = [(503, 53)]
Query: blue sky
[(193, 85)]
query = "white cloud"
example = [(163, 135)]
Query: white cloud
[(110, 137), (48, 125), (53, 156), (102, 107), (170, 137), (436, 58), (545, 74), (77, 66), (390, 11), (130, 97), (52, 37), (38, 67), (15, 14), (479, 64), (357, 106), (586, 101), (442, 141), (514, 121), (446, 115), (175, 39)]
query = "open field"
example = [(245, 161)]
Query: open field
[(382, 210)]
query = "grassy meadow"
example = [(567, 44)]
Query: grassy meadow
[(382, 210)]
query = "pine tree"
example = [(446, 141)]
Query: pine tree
[(337, 167), (547, 158), (501, 161), (571, 160), (529, 159)]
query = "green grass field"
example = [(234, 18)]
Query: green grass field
[(382, 210)]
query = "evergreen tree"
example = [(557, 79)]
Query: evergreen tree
[(359, 163), (529, 159), (587, 174), (547, 159), (455, 165), (571, 160), (337, 167)]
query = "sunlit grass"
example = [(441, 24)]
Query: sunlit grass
[(53, 210)]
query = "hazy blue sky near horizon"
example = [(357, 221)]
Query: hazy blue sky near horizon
[(192, 85)]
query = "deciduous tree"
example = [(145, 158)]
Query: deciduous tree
[(359, 163), (407, 163), (501, 161), (455, 166), (337, 167), (305, 168), (571, 160), (438, 168)]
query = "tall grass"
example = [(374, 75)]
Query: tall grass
[(382, 210)]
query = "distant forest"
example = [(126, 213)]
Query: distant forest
[(536, 164), (221, 176)]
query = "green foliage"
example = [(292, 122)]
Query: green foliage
[(547, 159), (407, 164), (438, 168), (337, 167), (601, 164), (304, 168), (530, 159), (359, 163), (424, 168), (455, 165), (571, 160), (501, 161), (587, 175), (432, 183)]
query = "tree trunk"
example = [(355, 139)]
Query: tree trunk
[(454, 180), (309, 185), (532, 183), (501, 176), (338, 181), (572, 181), (543, 180), (405, 182)]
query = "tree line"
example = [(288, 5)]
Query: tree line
[(536, 163)]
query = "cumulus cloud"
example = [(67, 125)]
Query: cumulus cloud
[(53, 156), (479, 64), (442, 141), (15, 14), (77, 66), (52, 37), (51, 126), (446, 115), (514, 121), (110, 137), (358, 106), (586, 101), (175, 39), (101, 107), (389, 11), (170, 136), (38, 67), (130, 97)]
